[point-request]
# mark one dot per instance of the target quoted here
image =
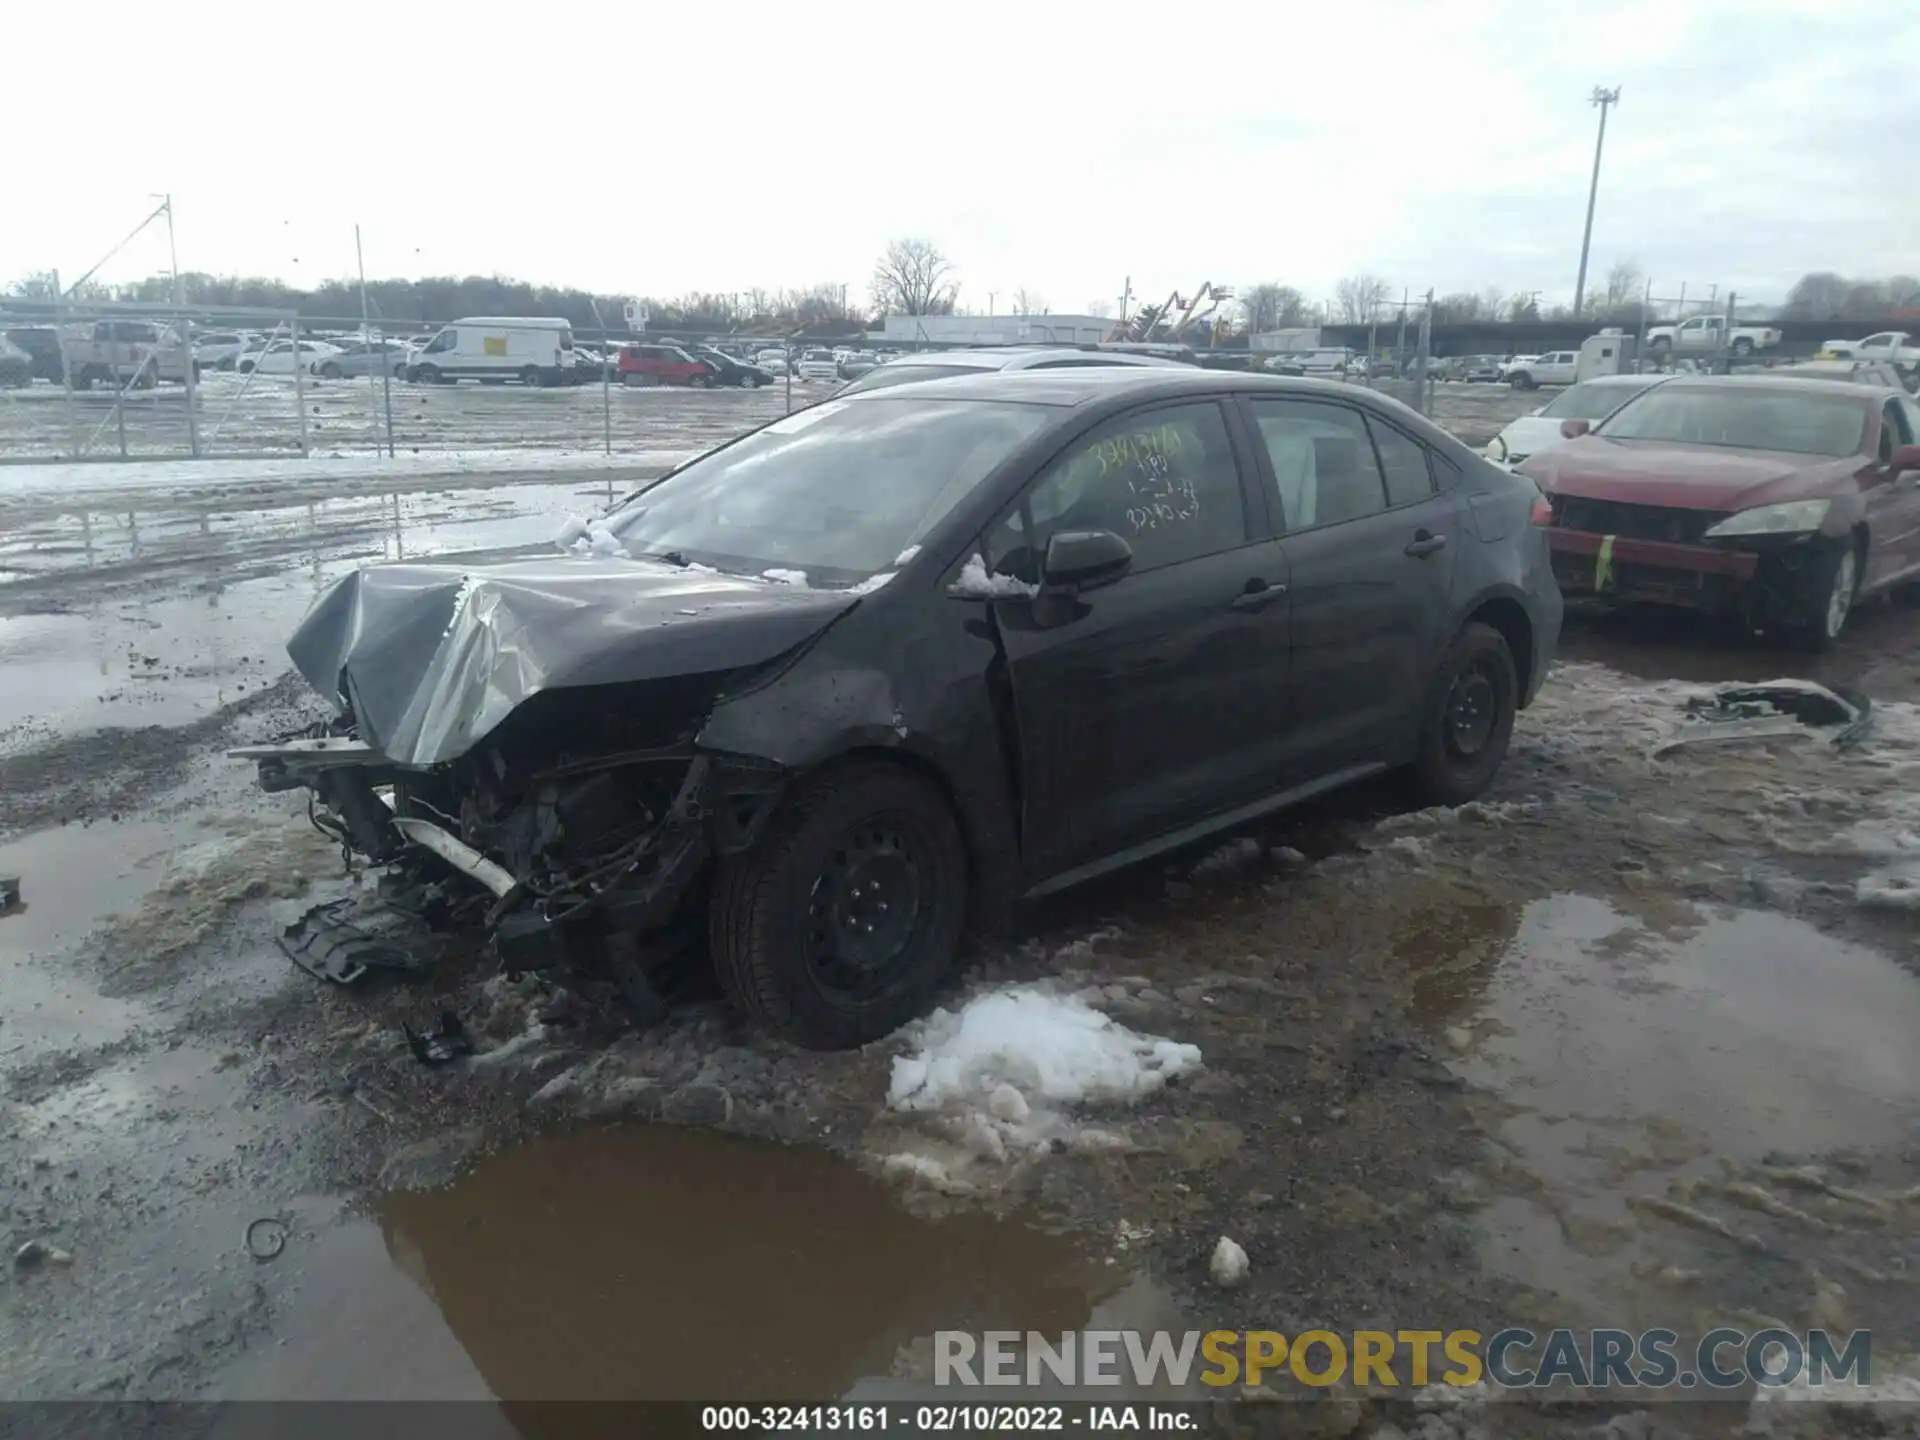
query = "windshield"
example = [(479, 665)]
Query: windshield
[(1590, 402), (898, 374), (837, 491), (1757, 419)]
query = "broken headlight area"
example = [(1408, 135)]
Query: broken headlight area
[(572, 838)]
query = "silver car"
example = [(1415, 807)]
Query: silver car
[(361, 357), (938, 365)]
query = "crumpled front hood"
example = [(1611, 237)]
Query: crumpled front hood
[(1684, 477), (434, 656)]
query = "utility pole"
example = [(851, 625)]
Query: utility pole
[(173, 255), (1606, 100), (1126, 294), (992, 295)]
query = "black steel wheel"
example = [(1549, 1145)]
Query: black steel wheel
[(1469, 718), (839, 926)]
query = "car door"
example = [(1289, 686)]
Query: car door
[(1370, 543), (1893, 498), (1161, 698)]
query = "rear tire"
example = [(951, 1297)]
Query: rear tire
[(329, 371), (1743, 347), (842, 922), (1468, 719)]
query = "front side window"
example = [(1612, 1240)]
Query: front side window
[(441, 343), (1164, 480), (1323, 462), (838, 490), (1894, 431)]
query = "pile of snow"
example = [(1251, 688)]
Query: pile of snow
[(974, 583), (786, 577), (999, 1076)]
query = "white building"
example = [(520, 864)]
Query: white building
[(996, 329), (1285, 341)]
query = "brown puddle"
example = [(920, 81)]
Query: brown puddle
[(656, 1263), (1629, 1059)]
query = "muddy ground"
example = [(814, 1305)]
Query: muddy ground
[(1622, 1045)]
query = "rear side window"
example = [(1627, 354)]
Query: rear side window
[(1164, 480), (1324, 469), (1403, 462)]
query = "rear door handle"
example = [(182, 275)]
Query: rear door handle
[(1258, 595), (1425, 543)]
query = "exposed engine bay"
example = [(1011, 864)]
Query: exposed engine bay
[(576, 837)]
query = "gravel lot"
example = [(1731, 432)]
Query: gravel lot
[(1622, 1045)]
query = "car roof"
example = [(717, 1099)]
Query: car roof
[(1081, 384), (1786, 384), (1638, 382)]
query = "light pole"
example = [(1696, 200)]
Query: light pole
[(1606, 100)]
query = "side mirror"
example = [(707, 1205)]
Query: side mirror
[(1907, 457), (1574, 429), (1085, 559)]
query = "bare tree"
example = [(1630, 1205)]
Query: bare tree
[(1461, 307), (1359, 298), (912, 277), (1100, 308), (1272, 306), (1821, 295), (1523, 307), (1626, 287), (1029, 302)]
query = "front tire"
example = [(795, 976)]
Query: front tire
[(1521, 381), (1743, 347), (1832, 585), (841, 924), (426, 375), (1468, 719)]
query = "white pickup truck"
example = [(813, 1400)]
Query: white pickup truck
[(1896, 347), (1530, 372), (1702, 336)]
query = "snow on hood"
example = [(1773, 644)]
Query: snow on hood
[(435, 656)]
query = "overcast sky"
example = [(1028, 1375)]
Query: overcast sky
[(1049, 144)]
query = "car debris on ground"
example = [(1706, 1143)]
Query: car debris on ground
[(442, 1046), (9, 893), (1771, 710)]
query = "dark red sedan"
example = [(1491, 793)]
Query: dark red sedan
[(1780, 501)]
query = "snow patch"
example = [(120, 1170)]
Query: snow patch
[(993, 1083), (1890, 889), (602, 541), (1229, 1264), (872, 583), (786, 577), (974, 583), (905, 557), (572, 529)]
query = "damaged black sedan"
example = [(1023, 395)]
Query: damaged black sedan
[(814, 702)]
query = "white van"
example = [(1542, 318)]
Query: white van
[(532, 349)]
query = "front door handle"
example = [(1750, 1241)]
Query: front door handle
[(1258, 595), (1425, 542)]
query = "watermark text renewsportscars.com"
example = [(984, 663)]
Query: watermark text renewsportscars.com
[(1512, 1358)]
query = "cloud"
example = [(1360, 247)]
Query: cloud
[(1066, 147)]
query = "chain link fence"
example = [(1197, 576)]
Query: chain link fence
[(122, 381)]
